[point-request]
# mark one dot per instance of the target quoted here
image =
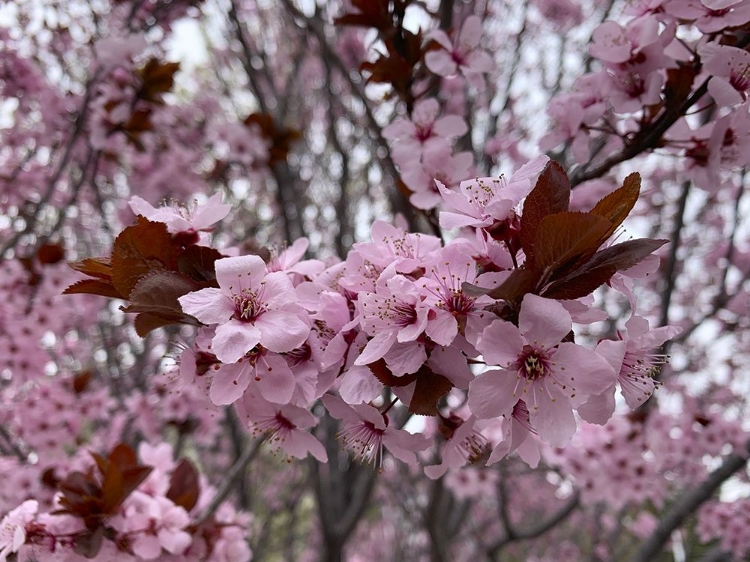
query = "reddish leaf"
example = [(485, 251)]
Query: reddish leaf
[(133, 477), (155, 298), (564, 238), (89, 544), (50, 254), (143, 248), (113, 491), (429, 388), (616, 206), (551, 194), (157, 79), (123, 456), (146, 322), (184, 486), (158, 292), (197, 262), (393, 70), (81, 382), (578, 286), (601, 267), (93, 287), (520, 282), (94, 267)]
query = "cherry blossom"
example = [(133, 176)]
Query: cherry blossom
[(464, 54), (550, 376), (366, 432), (251, 307)]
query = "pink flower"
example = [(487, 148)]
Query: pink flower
[(413, 135), (365, 432), (391, 244), (181, 219), (282, 425), (269, 372), (437, 164), (13, 528), (153, 524), (465, 444), (710, 19), (550, 376), (633, 360), (288, 261), (394, 313), (251, 307), (464, 55), (638, 47), (480, 202), (517, 436), (730, 67), (451, 309)]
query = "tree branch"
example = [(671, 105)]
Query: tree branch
[(686, 505)]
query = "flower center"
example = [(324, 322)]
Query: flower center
[(533, 363), (248, 306)]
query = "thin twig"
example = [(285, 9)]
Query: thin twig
[(235, 471), (686, 505)]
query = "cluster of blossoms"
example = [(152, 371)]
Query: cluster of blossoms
[(150, 523), (486, 333), (641, 61), (726, 522), (407, 316), (648, 454)]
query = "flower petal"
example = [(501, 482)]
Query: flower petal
[(233, 339), (491, 394)]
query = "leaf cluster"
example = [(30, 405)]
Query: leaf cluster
[(150, 268)]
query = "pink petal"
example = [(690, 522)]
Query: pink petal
[(210, 306), (146, 546), (239, 273), (233, 339), (299, 443), (229, 383), (723, 92), (451, 363), (491, 394), (441, 63), (399, 129), (584, 371), (452, 221), (277, 290), (359, 385), (275, 379), (450, 126), (598, 409), (377, 347), (442, 327), (282, 330), (339, 409), (210, 213), (471, 33), (405, 358), (425, 112), (543, 322), (500, 343), (175, 542), (480, 61), (553, 420)]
